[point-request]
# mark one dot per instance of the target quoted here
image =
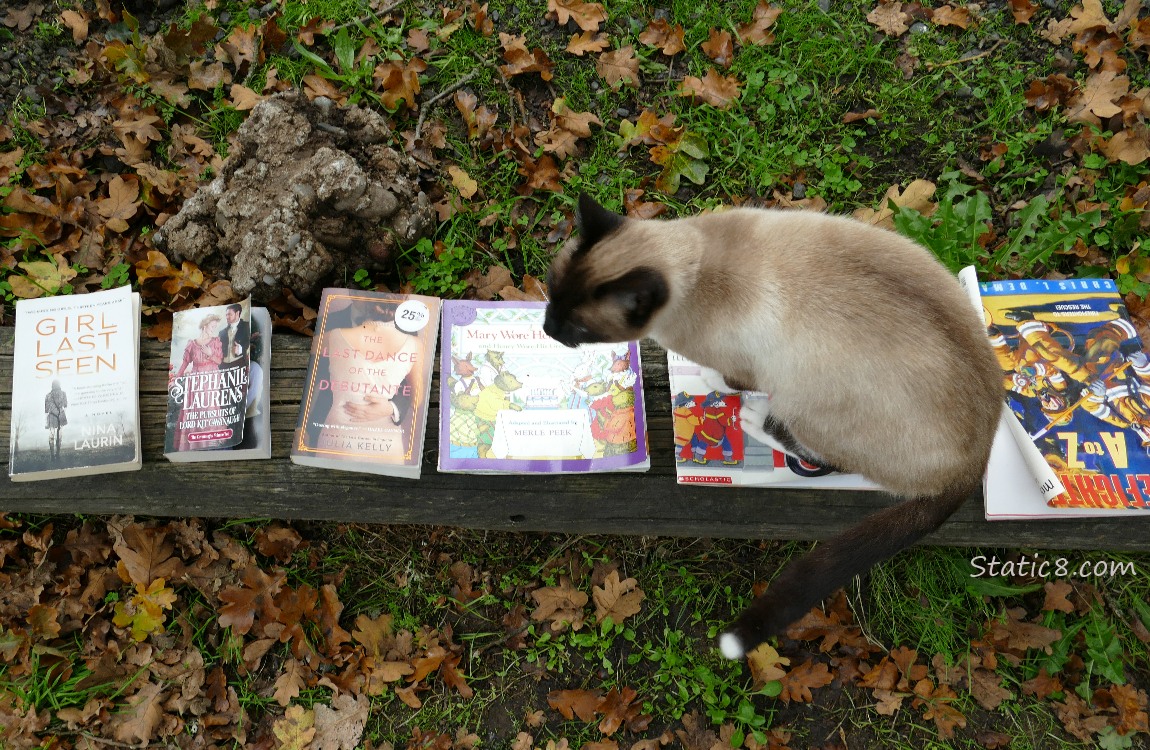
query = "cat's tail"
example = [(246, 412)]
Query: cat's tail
[(831, 564)]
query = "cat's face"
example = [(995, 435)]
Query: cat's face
[(600, 291)]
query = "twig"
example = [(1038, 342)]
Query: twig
[(427, 105), (373, 14), (114, 743), (512, 100), (935, 66)]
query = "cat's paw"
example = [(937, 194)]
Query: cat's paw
[(714, 381)]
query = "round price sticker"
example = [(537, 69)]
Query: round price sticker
[(411, 316)]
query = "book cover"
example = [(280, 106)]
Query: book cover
[(1077, 378), (208, 378), (256, 442), (365, 399), (75, 385), (514, 400), (711, 447)]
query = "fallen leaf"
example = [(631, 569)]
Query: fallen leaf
[(77, 22), (766, 665), (1131, 146), (572, 703), (948, 15), (619, 67), (986, 687), (870, 114), (296, 730), (660, 33), (798, 683), (399, 82), (1046, 93), (289, 683), (889, 702), (140, 720), (618, 708), (1023, 10), (146, 554), (713, 88), (487, 285), (463, 182), (254, 597), (451, 675), (207, 76), (917, 196), (890, 18), (758, 31), (1056, 593), (1131, 704), (541, 174), (560, 605), (617, 599), (1097, 98), (587, 16), (720, 47), (121, 204), (340, 725), (520, 60), (588, 42), (243, 98)]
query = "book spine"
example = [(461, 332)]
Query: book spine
[(1047, 481)]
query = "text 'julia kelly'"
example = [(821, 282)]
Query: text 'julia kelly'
[(1059, 568)]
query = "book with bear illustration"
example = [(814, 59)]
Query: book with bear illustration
[(712, 448), (515, 401)]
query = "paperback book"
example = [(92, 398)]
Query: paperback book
[(255, 428), (1076, 379), (365, 400), (207, 380), (712, 448), (75, 385), (515, 401)]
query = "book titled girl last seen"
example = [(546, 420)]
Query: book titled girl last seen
[(365, 400), (75, 385)]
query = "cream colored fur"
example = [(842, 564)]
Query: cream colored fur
[(872, 355)]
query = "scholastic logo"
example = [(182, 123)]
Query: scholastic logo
[(705, 480)]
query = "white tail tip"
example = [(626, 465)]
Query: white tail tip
[(731, 646)]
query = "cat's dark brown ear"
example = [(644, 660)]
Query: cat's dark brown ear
[(641, 293), (595, 222)]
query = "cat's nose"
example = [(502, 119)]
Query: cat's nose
[(565, 333)]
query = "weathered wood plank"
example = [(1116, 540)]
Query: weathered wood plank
[(621, 503)]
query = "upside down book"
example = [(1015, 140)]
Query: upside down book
[(1077, 378)]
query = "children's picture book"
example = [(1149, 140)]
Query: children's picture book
[(75, 385), (208, 378), (712, 448), (1076, 378), (255, 439), (513, 400), (365, 400)]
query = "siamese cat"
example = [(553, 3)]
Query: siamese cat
[(873, 358)]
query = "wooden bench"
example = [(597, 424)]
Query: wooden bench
[(618, 503)]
